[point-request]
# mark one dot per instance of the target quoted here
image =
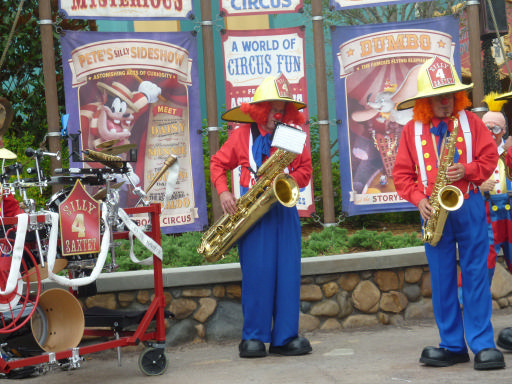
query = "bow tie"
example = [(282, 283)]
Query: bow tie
[(261, 147), (440, 130)]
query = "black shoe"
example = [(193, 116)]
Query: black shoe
[(505, 339), (441, 357), (489, 358), (252, 348), (295, 347)]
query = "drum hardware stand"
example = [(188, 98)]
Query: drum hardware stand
[(33, 225), (112, 203), (75, 152), (38, 154), (11, 170), (116, 334)]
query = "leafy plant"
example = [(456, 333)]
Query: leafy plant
[(180, 250)]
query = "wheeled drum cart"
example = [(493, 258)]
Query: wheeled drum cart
[(26, 304)]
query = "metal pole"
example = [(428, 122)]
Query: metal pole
[(211, 94), (323, 113), (50, 83), (475, 55)]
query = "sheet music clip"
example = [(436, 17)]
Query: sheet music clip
[(289, 138)]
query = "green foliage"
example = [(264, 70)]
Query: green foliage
[(373, 241), (362, 221), (337, 240), (180, 250), (222, 137), (317, 173)]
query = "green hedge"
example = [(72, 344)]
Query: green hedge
[(180, 250)]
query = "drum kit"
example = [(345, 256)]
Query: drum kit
[(30, 253)]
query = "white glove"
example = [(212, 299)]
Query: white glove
[(150, 90)]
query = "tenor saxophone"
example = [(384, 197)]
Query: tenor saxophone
[(444, 198), (271, 187)]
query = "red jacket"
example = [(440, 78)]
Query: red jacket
[(10, 206), (235, 152), (406, 175)]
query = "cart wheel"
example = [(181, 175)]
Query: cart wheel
[(21, 373), (17, 307), (153, 361)]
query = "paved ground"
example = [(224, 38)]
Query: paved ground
[(385, 354)]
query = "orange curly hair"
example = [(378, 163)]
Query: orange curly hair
[(423, 112), (259, 113)]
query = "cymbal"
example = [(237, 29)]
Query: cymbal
[(6, 154), (107, 144), (60, 264), (118, 149), (102, 193)]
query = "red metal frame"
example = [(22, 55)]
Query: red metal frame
[(156, 310)]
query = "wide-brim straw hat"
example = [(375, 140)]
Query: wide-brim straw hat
[(271, 89), (435, 77)]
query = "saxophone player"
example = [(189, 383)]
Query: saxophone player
[(270, 251), (497, 191), (496, 188), (440, 100)]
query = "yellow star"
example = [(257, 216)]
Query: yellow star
[(441, 44), (350, 52)]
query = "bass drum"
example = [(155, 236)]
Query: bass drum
[(57, 199)]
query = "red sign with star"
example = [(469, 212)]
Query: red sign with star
[(79, 218)]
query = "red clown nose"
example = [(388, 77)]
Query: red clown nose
[(444, 101), (278, 116)]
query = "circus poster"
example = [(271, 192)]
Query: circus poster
[(139, 91), (375, 68), (252, 56)]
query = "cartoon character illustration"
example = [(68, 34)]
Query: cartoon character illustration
[(113, 117), (376, 131), (384, 104)]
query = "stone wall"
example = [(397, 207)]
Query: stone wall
[(206, 300)]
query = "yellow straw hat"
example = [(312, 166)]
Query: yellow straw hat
[(271, 89), (435, 77)]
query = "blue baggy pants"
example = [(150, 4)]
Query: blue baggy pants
[(466, 227), (270, 258)]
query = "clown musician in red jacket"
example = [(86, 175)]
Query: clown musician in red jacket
[(441, 98), (270, 252), (499, 202)]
